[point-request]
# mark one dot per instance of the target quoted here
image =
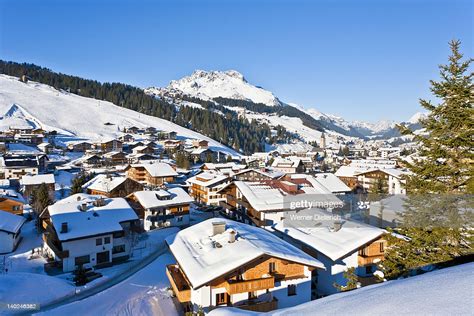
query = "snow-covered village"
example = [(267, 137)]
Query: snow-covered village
[(220, 177)]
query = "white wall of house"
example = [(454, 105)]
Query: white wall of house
[(334, 273), (176, 221), (395, 186), (8, 241), (83, 247), (205, 297)]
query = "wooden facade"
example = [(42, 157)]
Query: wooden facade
[(140, 174), (11, 206), (373, 252), (125, 188)]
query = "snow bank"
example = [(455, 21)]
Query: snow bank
[(444, 292)]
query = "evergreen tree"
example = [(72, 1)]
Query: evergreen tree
[(40, 198), (351, 283), (435, 217)]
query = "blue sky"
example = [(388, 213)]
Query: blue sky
[(364, 60)]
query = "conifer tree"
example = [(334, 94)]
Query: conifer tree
[(437, 215)]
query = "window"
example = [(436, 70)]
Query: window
[(118, 249), (271, 267), (368, 270), (382, 247), (362, 252), (291, 289), (221, 298), (107, 240), (98, 241), (180, 218), (82, 260)]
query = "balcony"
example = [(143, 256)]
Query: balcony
[(365, 260), (52, 245), (180, 285), (258, 306), (234, 287)]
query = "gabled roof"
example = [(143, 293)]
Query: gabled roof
[(331, 182), (12, 195), (153, 199), (202, 260), (94, 220), (10, 223), (104, 183), (322, 237), (38, 179), (157, 169), (210, 179)]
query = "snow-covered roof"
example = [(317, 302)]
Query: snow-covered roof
[(271, 173), (12, 195), (331, 182), (207, 179), (161, 198), (10, 223), (323, 238), (93, 220), (261, 196), (158, 169), (227, 165), (204, 257), (38, 179), (397, 173), (292, 162), (348, 171), (104, 183)]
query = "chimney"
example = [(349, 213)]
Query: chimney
[(337, 225), (84, 207), (232, 235), (99, 202), (63, 228), (218, 228)]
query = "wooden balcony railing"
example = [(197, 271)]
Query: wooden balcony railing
[(234, 287), (180, 286), (261, 307)]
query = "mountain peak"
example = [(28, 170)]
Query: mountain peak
[(229, 84)]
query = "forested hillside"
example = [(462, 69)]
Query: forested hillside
[(214, 121)]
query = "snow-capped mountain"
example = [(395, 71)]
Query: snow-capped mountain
[(76, 117), (226, 84), (210, 85)]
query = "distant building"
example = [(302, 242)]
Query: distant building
[(205, 187), (154, 174), (10, 231), (111, 186), (162, 208), (11, 201), (30, 183)]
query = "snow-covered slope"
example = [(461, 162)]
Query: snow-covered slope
[(208, 85), (230, 84), (444, 292), (39, 105)]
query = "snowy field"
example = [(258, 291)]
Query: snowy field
[(448, 291)]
